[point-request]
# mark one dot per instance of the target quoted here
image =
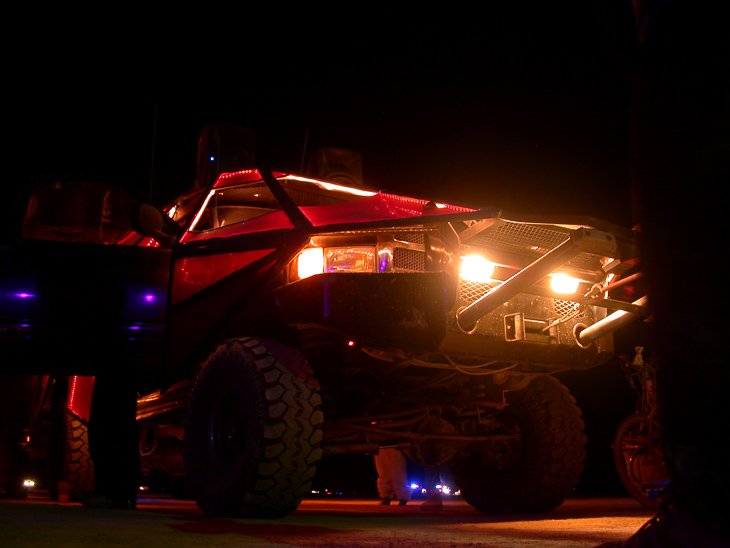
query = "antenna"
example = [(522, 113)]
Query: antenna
[(304, 151), (154, 138)]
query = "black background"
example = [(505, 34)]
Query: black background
[(520, 107)]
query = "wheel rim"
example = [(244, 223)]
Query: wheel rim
[(643, 460), (229, 430)]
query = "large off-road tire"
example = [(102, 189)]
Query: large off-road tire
[(253, 430), (69, 458), (538, 470), (639, 459)]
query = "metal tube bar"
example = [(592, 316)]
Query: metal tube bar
[(609, 324)]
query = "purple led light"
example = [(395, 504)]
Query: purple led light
[(24, 295), (149, 298)]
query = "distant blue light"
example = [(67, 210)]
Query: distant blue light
[(24, 295), (212, 158), (149, 298)]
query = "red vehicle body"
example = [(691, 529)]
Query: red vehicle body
[(332, 319)]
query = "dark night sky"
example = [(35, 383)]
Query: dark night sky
[(520, 108)]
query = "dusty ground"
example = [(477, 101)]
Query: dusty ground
[(167, 523)]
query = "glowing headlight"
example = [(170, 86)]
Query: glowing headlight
[(475, 268), (349, 259), (316, 260), (310, 262), (562, 283)]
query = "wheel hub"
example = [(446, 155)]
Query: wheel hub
[(229, 430)]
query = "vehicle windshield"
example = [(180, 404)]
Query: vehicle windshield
[(231, 205), (236, 204)]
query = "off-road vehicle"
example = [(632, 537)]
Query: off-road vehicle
[(279, 318)]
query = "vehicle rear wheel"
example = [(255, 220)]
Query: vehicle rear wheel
[(639, 459), (539, 463), (69, 458), (253, 430)]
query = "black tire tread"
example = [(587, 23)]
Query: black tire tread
[(543, 481), (79, 466), (69, 454), (287, 447)]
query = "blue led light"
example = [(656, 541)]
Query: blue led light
[(383, 265)]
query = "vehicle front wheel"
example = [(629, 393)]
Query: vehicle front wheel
[(540, 460), (253, 430)]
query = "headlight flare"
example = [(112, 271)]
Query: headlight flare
[(310, 261), (564, 284), (475, 268)]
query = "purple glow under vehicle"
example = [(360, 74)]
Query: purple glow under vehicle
[(333, 319)]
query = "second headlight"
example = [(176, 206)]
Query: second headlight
[(316, 260)]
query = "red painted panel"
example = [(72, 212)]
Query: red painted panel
[(241, 177), (379, 207), (80, 392), (193, 274)]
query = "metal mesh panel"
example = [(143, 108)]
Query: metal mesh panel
[(471, 291), (532, 241), (411, 237), (409, 259), (563, 308), (522, 238)]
